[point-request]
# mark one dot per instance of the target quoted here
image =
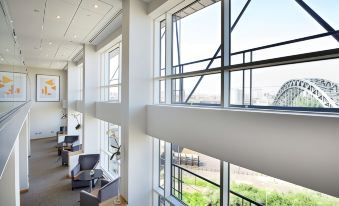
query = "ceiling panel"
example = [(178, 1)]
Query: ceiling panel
[(95, 6), (84, 21), (51, 34)]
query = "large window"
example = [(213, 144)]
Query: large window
[(111, 75), (110, 140), (195, 47), (268, 62), (197, 179), (267, 190)]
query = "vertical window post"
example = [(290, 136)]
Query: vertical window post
[(225, 88), (168, 59), (156, 61), (225, 51)]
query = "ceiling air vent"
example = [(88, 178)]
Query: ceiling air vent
[(109, 27)]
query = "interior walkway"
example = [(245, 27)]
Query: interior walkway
[(48, 183)]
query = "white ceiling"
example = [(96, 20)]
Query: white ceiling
[(46, 40)]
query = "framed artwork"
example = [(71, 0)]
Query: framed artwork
[(13, 87), (47, 88)]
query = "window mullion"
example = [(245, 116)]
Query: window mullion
[(168, 58), (225, 51)]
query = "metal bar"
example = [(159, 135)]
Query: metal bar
[(288, 42), (282, 108), (201, 77), (245, 198), (203, 178), (240, 14), (198, 61), (317, 17), (299, 58), (251, 59)]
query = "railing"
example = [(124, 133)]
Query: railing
[(244, 200), (178, 182)]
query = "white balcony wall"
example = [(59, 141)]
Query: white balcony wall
[(298, 148)]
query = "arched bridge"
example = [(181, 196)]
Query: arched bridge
[(324, 91)]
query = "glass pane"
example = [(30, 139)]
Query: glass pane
[(161, 163), (265, 22), (113, 137), (311, 84), (267, 190), (188, 168), (327, 9), (104, 161), (196, 36), (162, 91), (208, 90), (113, 167), (162, 46), (114, 67), (236, 88), (114, 93)]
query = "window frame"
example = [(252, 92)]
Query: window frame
[(104, 149), (105, 79)]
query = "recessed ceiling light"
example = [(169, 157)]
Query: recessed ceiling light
[(58, 17), (75, 36), (50, 43), (11, 21), (7, 50), (96, 6)]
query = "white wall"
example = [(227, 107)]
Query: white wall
[(45, 116), (9, 182), (23, 155), (298, 148), (91, 75)]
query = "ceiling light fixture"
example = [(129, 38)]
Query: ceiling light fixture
[(75, 36), (58, 17), (50, 43), (96, 6)]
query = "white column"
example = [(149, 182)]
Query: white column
[(23, 156), (137, 39), (91, 94)]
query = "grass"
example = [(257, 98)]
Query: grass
[(202, 193)]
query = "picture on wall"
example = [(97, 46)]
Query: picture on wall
[(47, 88), (13, 87)]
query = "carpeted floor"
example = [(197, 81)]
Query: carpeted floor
[(48, 183)]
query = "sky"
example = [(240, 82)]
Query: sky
[(264, 22)]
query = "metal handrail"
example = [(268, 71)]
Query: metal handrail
[(246, 198), (186, 170)]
